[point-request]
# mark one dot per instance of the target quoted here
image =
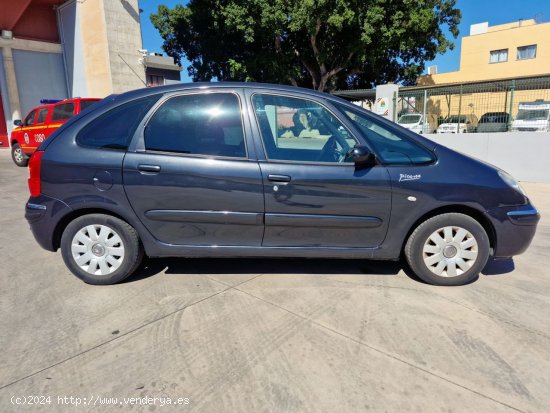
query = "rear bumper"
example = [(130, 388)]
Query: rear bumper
[(43, 214), (514, 227)]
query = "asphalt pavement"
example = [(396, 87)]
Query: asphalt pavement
[(268, 335)]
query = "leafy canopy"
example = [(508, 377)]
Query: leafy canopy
[(323, 44)]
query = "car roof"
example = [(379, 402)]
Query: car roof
[(221, 85)]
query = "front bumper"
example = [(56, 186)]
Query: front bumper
[(43, 214), (515, 227)]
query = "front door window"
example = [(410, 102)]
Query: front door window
[(301, 130)]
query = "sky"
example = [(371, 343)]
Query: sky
[(473, 11)]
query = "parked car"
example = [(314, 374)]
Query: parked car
[(532, 117), (416, 122), (458, 124), (40, 123), (203, 170), (493, 122)]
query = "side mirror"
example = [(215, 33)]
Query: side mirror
[(362, 156), (17, 122)]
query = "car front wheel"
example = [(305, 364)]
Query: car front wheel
[(18, 156), (101, 249), (448, 249)]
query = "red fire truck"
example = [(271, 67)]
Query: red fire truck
[(40, 123)]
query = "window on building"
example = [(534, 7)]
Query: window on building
[(527, 52), (154, 80), (498, 56), (63, 112)]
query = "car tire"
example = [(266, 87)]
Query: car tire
[(101, 249), (19, 157), (448, 249)]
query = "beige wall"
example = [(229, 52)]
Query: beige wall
[(124, 40), (95, 47), (475, 53), (111, 38)]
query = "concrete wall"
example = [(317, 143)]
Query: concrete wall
[(124, 42), (73, 51), (32, 66), (525, 155)]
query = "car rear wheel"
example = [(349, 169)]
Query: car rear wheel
[(448, 249), (101, 249), (18, 156)]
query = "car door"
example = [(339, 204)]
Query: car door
[(26, 131), (314, 194), (193, 178), (39, 132)]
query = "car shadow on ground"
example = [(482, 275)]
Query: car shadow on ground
[(499, 267), (295, 266)]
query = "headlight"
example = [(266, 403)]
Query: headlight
[(511, 181)]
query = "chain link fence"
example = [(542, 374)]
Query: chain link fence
[(498, 106)]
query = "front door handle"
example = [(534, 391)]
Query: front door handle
[(278, 178), (149, 168)]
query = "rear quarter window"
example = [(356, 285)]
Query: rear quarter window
[(115, 128), (84, 104), (63, 111)]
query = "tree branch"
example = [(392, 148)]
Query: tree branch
[(310, 69), (313, 41)]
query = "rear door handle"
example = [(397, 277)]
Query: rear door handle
[(149, 168), (278, 178)]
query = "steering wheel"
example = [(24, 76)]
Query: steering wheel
[(331, 153)]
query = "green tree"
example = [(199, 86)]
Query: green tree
[(323, 44)]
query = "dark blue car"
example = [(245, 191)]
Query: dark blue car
[(254, 170)]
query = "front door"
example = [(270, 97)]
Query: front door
[(25, 133), (314, 195), (192, 182)]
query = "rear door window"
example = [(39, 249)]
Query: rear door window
[(198, 124), (63, 111)]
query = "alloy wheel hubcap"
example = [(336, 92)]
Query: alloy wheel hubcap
[(97, 249), (18, 155), (450, 251)]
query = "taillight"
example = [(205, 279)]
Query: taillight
[(34, 173)]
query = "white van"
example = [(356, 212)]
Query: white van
[(532, 117), (416, 123)]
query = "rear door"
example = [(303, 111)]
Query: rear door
[(314, 195), (193, 178), (39, 131)]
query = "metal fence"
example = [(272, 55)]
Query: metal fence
[(497, 100)]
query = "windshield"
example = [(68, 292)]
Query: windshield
[(496, 117), (455, 119), (408, 119), (530, 114)]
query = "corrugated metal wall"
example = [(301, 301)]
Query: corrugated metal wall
[(39, 76)]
